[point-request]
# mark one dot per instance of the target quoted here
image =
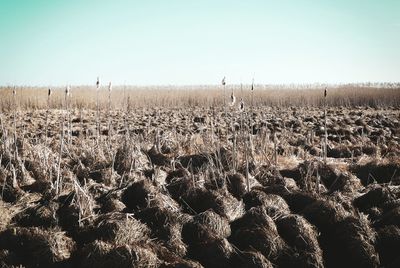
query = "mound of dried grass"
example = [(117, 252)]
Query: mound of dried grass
[(123, 159), (10, 191), (37, 247), (388, 243), (354, 243), (41, 215), (158, 158), (195, 162), (249, 259), (324, 214), (6, 215), (298, 200), (214, 253), (223, 157), (110, 204), (140, 195), (205, 227), (182, 263), (392, 217), (120, 229), (302, 237), (268, 176), (103, 255), (346, 183), (261, 238), (199, 199), (180, 172), (377, 196), (379, 171), (165, 225), (36, 169), (236, 185), (274, 205), (257, 231), (254, 217), (180, 186), (8, 259)]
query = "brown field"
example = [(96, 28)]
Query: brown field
[(170, 177)]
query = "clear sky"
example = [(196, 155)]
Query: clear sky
[(55, 42)]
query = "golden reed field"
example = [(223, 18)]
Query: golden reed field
[(201, 176)]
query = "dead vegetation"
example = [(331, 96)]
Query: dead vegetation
[(197, 187)]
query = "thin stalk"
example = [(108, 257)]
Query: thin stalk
[(275, 149), (97, 113), (15, 124), (326, 131), (247, 166)]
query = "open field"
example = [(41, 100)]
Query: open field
[(173, 178), (373, 95)]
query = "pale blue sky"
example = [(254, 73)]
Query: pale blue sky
[(56, 42)]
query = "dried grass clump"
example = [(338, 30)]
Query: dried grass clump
[(121, 229), (170, 259), (37, 247), (165, 225), (254, 217), (254, 198), (6, 215), (378, 196), (388, 244), (10, 191), (378, 170), (123, 159), (8, 259), (102, 176), (140, 195), (226, 205), (249, 259), (36, 169), (354, 243), (302, 237), (182, 263), (199, 199), (103, 255), (195, 162), (179, 187), (392, 217), (223, 157), (257, 231), (180, 172), (344, 200), (133, 256), (324, 214), (346, 183), (269, 176), (274, 205), (214, 253), (298, 200), (41, 215), (261, 238), (111, 204), (158, 158), (236, 185), (204, 227), (68, 214)]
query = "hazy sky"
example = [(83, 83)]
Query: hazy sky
[(150, 42)]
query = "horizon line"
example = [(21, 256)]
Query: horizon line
[(365, 83)]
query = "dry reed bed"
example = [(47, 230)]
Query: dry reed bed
[(193, 187), (376, 95)]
